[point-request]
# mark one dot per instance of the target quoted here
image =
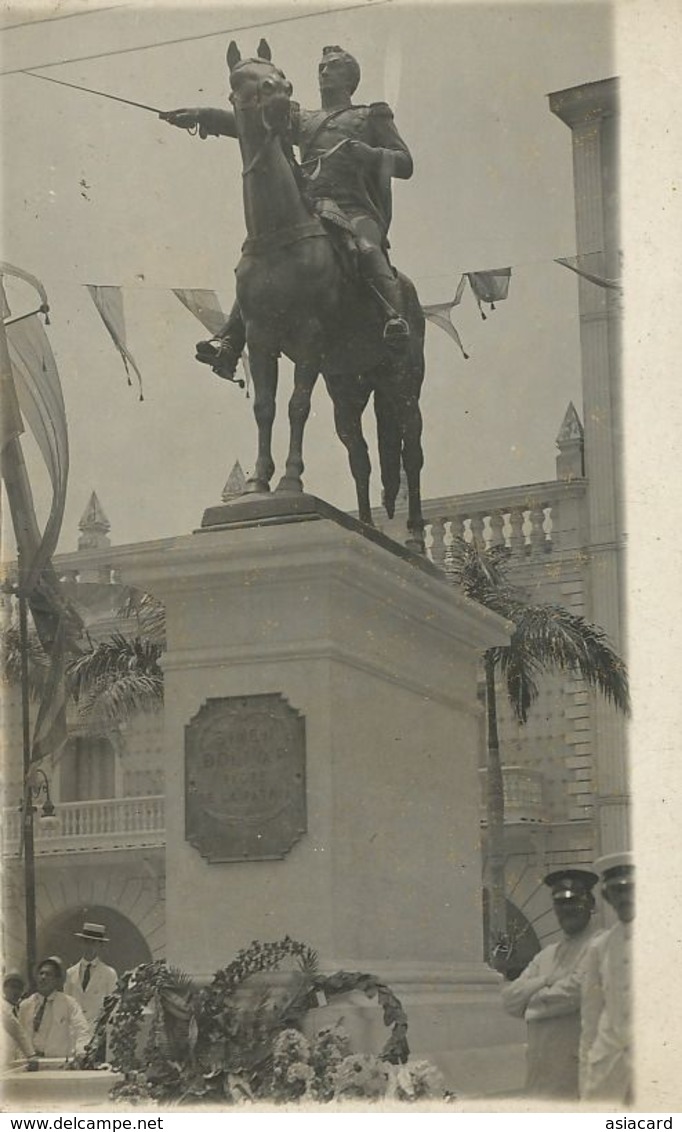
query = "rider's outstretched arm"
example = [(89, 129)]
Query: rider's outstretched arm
[(209, 120)]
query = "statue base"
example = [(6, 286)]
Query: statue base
[(322, 730)]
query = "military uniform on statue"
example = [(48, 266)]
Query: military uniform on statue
[(349, 155)]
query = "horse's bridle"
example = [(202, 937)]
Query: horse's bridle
[(255, 102)]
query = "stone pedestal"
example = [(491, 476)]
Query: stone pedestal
[(277, 614)]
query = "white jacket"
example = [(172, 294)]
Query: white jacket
[(63, 1030), (103, 981)]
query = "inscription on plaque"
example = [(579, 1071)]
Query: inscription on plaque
[(245, 778)]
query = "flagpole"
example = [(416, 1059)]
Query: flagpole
[(27, 809), (25, 525)]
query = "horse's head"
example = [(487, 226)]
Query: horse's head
[(257, 85)]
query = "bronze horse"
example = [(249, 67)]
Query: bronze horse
[(297, 299)]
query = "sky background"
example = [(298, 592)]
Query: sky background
[(492, 187)]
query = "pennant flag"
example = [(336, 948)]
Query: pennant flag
[(28, 365), (578, 264), (109, 303), (489, 286), (11, 423), (40, 397), (205, 306), (440, 315)]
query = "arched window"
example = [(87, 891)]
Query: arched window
[(126, 948)]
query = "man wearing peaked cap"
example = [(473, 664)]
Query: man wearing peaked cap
[(547, 993), (606, 1039), (90, 980)]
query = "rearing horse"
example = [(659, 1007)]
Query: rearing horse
[(297, 299)]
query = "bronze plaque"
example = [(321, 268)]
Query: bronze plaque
[(245, 778)]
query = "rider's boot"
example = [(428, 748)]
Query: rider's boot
[(376, 271), (224, 351)]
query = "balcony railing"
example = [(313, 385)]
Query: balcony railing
[(532, 521), (523, 795), (91, 827)]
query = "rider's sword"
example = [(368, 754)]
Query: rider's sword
[(88, 90)]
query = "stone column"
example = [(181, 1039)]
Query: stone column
[(591, 112), (369, 652)]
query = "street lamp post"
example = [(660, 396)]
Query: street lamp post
[(27, 804), (36, 783)]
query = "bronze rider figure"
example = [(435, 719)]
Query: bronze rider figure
[(349, 153)]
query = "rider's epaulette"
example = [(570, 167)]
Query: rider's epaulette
[(380, 110)]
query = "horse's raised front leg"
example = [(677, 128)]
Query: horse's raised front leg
[(264, 373), (350, 395), (305, 376)]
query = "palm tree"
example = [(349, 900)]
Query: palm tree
[(111, 680), (545, 638), (121, 676), (116, 679)]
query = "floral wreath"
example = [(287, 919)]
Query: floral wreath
[(221, 1040)]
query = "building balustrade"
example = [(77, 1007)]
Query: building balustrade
[(527, 521), (102, 825), (523, 794)]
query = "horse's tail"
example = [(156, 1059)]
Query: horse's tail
[(389, 438), (389, 430)]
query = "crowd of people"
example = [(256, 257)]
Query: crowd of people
[(58, 1019), (575, 995)]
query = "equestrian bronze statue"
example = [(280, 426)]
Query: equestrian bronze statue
[(314, 281)]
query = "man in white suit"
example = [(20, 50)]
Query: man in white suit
[(55, 1023), (606, 988), (90, 980), (547, 993)]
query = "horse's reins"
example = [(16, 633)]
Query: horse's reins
[(270, 134), (322, 157)]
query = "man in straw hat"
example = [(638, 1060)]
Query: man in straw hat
[(547, 993), (606, 1038), (90, 980), (55, 1022)]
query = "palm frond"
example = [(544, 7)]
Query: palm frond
[(545, 638), (113, 657), (38, 660), (558, 640), (148, 612), (116, 679), (114, 701), (481, 573)]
